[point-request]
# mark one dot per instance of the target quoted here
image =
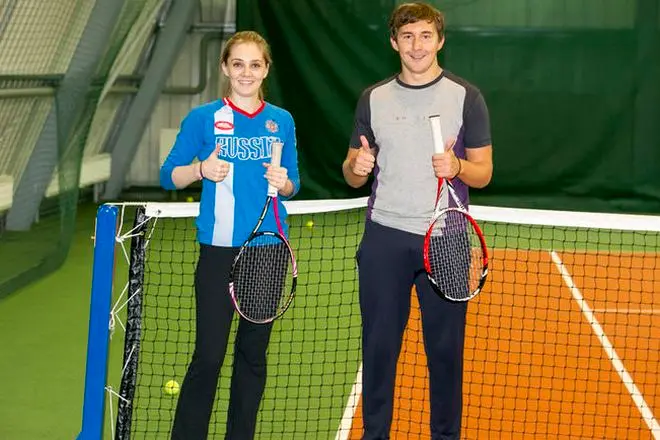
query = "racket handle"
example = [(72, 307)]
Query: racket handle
[(436, 131), (275, 158)]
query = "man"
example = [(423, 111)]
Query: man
[(392, 137)]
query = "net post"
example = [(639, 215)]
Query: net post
[(99, 331)]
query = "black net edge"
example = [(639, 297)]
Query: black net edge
[(133, 326)]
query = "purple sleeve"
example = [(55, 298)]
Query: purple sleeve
[(476, 120), (362, 125)]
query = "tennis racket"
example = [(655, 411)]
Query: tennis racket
[(455, 253), (264, 273)]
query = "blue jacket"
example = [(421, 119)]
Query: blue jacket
[(230, 209)]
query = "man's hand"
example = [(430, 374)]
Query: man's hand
[(446, 165), (365, 160)]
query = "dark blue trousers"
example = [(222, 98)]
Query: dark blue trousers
[(390, 262)]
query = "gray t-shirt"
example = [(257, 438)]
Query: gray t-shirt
[(394, 117)]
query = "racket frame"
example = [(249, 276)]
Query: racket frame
[(484, 252)]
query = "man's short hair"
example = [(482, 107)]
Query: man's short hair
[(407, 13)]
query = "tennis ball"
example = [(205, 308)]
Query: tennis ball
[(309, 224), (190, 199), (171, 387)]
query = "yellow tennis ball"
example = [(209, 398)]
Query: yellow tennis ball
[(190, 199), (171, 387), (309, 224)]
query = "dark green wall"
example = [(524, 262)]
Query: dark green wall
[(573, 93)]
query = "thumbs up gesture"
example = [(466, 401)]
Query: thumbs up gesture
[(214, 168), (365, 160)]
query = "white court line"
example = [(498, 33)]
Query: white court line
[(630, 311), (344, 430), (627, 380)]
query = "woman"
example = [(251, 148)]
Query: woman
[(231, 138)]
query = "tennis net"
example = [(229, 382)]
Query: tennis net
[(564, 340)]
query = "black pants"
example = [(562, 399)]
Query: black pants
[(214, 313), (390, 262)]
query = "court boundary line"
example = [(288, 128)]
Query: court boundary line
[(610, 351), (630, 311), (346, 424)]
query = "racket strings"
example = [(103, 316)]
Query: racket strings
[(455, 256), (262, 278)]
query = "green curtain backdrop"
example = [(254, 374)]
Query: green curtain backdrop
[(573, 91)]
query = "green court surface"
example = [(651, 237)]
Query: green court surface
[(43, 335), (43, 341)]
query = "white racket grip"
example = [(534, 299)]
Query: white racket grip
[(436, 130), (275, 158)]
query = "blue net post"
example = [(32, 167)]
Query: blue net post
[(99, 317)]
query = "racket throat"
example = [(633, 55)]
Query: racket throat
[(262, 216)]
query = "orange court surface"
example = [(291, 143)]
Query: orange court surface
[(558, 345)]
